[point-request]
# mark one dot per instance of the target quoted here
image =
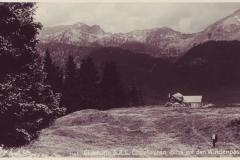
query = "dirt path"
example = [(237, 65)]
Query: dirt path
[(208, 141), (195, 131)]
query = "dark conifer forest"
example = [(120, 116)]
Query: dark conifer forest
[(207, 67)]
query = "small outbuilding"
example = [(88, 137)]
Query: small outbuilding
[(179, 100), (193, 101), (177, 97)]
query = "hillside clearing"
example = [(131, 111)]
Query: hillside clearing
[(140, 132)]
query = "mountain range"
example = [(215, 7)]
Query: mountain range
[(156, 42), (204, 62)]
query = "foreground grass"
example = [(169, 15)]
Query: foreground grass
[(151, 131), (19, 152)]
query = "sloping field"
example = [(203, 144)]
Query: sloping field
[(152, 131)]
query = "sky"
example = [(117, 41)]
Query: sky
[(126, 17)]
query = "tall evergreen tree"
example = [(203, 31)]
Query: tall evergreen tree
[(135, 97), (26, 103), (140, 96), (58, 79), (53, 73), (87, 79), (70, 94), (112, 91), (48, 66)]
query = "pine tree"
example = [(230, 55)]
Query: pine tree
[(140, 97), (48, 67), (53, 73), (70, 93), (112, 91), (58, 79), (135, 97), (87, 79), (26, 103)]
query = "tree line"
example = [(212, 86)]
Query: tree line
[(83, 87)]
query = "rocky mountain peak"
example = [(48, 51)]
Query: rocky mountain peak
[(96, 29), (80, 24), (237, 12), (156, 41)]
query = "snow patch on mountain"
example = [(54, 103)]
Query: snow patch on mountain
[(157, 41)]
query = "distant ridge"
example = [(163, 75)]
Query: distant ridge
[(156, 42)]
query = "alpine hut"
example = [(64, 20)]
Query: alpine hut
[(193, 101)]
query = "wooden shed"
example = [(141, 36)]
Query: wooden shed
[(193, 101)]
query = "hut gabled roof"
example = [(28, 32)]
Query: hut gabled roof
[(192, 99)]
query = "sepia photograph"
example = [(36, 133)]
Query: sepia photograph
[(119, 79)]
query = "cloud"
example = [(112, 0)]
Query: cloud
[(125, 17)]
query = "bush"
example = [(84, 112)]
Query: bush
[(234, 124)]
